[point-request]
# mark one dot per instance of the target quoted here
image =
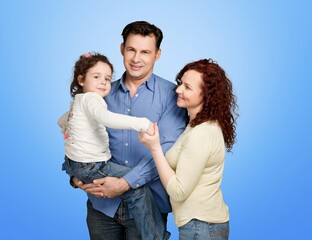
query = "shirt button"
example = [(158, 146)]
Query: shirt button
[(126, 162), (126, 144), (137, 185), (136, 95), (128, 109)]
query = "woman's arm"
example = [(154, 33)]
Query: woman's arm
[(153, 143)]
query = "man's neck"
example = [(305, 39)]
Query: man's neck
[(133, 85)]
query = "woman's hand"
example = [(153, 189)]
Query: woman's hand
[(151, 142)]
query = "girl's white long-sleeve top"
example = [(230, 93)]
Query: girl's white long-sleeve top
[(86, 138), (197, 158)]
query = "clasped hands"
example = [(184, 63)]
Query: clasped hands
[(107, 187)]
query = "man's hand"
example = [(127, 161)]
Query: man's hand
[(109, 187), (86, 187)]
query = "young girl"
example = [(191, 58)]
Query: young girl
[(87, 154), (191, 171)]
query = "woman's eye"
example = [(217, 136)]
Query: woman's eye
[(179, 82)]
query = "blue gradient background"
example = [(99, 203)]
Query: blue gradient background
[(264, 46)]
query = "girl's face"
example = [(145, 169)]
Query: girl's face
[(190, 93), (97, 79)]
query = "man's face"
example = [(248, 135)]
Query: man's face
[(139, 56)]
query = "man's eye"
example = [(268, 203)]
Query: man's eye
[(179, 82)]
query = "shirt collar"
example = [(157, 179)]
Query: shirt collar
[(149, 83)]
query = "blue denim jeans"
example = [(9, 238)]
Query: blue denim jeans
[(140, 202), (199, 230), (121, 227), (87, 172)]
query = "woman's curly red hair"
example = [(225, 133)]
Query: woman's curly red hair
[(219, 101)]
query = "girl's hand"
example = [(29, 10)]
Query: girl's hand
[(150, 131)]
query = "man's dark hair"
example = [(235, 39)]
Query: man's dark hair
[(142, 28)]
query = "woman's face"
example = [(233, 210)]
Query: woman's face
[(190, 92)]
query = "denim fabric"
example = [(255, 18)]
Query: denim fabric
[(121, 227), (87, 172), (143, 208), (140, 202), (199, 230), (102, 227)]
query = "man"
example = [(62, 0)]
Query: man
[(139, 93)]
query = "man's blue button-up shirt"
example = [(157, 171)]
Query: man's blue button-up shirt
[(156, 100)]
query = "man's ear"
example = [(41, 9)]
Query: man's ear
[(158, 54), (80, 80), (122, 47)]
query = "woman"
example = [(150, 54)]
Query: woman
[(192, 169)]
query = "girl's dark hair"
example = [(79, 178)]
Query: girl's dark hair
[(219, 101), (83, 64)]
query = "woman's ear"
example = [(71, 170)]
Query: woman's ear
[(80, 80)]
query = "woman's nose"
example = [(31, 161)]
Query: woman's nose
[(178, 89)]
